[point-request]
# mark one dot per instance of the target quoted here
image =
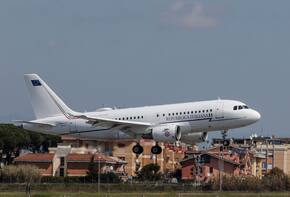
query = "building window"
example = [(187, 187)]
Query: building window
[(200, 170), (61, 172), (62, 161)]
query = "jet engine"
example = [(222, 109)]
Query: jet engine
[(193, 138), (164, 133)]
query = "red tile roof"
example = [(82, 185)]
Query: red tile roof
[(88, 157), (79, 157), (35, 157)]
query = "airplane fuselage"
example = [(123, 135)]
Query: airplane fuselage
[(192, 117)]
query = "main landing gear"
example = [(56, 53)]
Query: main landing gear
[(226, 142), (156, 150), (138, 149)]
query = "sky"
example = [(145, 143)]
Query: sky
[(134, 53)]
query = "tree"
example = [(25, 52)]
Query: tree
[(149, 172), (275, 180), (92, 169), (13, 139)]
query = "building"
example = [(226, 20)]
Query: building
[(205, 166), (44, 162), (65, 161), (168, 160)]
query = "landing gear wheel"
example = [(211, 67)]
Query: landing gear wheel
[(226, 142), (137, 149), (156, 150)]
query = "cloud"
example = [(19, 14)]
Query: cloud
[(189, 14)]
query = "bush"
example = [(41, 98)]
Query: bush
[(276, 180), (149, 172), (20, 174)]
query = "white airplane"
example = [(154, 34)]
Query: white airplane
[(185, 122)]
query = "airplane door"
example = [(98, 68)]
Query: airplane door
[(219, 112), (72, 126)]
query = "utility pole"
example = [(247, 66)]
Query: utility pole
[(221, 167), (99, 174)]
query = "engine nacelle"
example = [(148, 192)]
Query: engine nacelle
[(164, 133), (193, 138)]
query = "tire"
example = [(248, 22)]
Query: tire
[(156, 150), (226, 143), (137, 149)]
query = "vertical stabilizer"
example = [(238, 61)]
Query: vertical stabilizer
[(44, 101)]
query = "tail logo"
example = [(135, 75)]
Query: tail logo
[(35, 82)]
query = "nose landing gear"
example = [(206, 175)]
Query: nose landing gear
[(226, 142)]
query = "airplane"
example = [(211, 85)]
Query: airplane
[(171, 123)]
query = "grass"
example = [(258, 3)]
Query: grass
[(162, 194)]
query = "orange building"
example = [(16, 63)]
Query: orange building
[(168, 160), (71, 164), (44, 162)]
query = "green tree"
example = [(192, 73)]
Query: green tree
[(13, 138), (275, 180), (149, 172)]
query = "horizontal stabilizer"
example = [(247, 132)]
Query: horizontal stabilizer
[(17, 122)]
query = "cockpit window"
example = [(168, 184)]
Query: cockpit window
[(240, 107)]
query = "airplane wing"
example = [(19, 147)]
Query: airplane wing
[(34, 123), (107, 122)]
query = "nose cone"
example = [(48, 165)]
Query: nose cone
[(254, 116)]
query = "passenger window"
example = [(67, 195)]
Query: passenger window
[(235, 107)]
